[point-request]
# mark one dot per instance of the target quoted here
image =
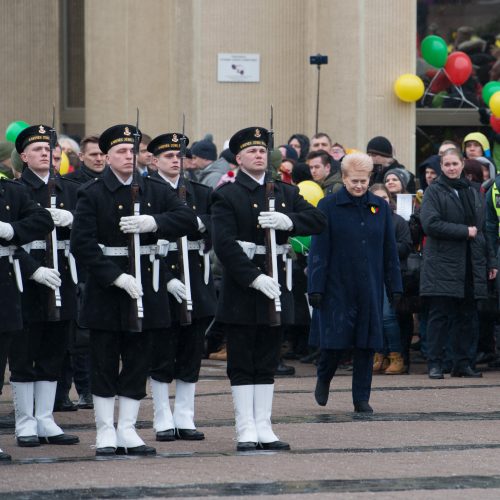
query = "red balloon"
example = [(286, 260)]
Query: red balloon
[(495, 123), (458, 67)]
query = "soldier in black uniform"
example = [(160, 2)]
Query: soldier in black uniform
[(22, 220), (101, 232), (177, 352), (36, 354), (240, 216), (77, 361)]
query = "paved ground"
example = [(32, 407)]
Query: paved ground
[(427, 439)]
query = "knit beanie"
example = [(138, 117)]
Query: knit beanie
[(17, 163), (205, 149), (380, 145), (5, 150), (402, 174), (481, 138), (228, 156)]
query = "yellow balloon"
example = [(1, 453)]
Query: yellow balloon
[(409, 88), (64, 168), (495, 104), (310, 192)]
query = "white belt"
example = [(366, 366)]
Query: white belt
[(7, 251), (61, 245), (42, 245), (251, 249)]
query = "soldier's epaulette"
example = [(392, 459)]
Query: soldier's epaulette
[(200, 185), (155, 179), (65, 179), (90, 183)]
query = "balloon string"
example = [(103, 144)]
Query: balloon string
[(427, 90)]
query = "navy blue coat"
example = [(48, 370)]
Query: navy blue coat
[(349, 263)]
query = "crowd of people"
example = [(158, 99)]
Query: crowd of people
[(172, 240)]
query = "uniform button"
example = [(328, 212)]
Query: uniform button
[(61, 204), (364, 241), (255, 205), (173, 266), (10, 274), (149, 269), (362, 223), (199, 264), (120, 207), (194, 207), (283, 205), (7, 207), (258, 226), (149, 204)]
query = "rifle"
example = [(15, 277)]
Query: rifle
[(270, 238), (51, 257), (136, 312), (182, 243)]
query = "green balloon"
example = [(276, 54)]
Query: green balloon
[(301, 244), (14, 129), (434, 50), (488, 90), (438, 99)]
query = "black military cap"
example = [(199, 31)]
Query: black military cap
[(36, 133), (118, 134), (166, 142), (251, 136)]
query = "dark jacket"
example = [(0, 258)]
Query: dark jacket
[(84, 174), (36, 297), (30, 222), (403, 238), (236, 207), (443, 270), (349, 263), (101, 204), (332, 183), (198, 197)]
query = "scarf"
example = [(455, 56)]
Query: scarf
[(466, 196)]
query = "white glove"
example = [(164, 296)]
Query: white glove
[(6, 231), (138, 224), (178, 289), (61, 218), (275, 220), (47, 276), (201, 227), (129, 284), (265, 284)]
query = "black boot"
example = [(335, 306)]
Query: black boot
[(322, 392), (65, 404)]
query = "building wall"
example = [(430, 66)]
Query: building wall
[(171, 67), (29, 51)]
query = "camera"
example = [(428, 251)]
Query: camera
[(318, 59)]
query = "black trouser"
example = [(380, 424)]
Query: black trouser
[(253, 353), (450, 316), (177, 352), (362, 369), (107, 349), (37, 352), (5, 339)]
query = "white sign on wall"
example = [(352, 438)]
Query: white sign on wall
[(238, 68)]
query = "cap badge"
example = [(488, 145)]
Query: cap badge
[(257, 133), (41, 129), (126, 132), (175, 138)]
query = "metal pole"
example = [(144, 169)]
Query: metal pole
[(317, 99)]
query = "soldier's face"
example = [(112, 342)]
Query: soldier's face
[(168, 163), (253, 159), (92, 157), (121, 160), (37, 157)]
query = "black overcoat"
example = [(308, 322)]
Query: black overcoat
[(36, 296), (30, 222), (235, 210), (101, 204), (443, 269), (198, 198)]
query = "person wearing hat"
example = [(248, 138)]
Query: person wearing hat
[(209, 168), (120, 343), (240, 217), (396, 180), (22, 220), (381, 152), (6, 149), (37, 352), (178, 350)]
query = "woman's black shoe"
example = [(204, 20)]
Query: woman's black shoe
[(322, 392), (466, 372)]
